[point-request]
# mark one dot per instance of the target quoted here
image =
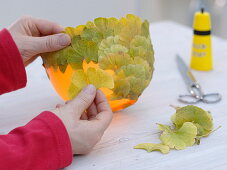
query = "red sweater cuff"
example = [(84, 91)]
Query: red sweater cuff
[(12, 66), (61, 136)]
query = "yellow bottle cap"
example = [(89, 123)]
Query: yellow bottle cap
[(202, 21)]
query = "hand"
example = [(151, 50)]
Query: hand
[(86, 117), (34, 36)]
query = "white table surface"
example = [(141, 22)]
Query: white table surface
[(137, 124)]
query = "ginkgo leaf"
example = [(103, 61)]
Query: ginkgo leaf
[(100, 78), (86, 48), (70, 31), (130, 27), (136, 70), (73, 91), (92, 34), (115, 61), (149, 147), (110, 46), (79, 79), (108, 26), (79, 29), (201, 119), (145, 29), (141, 46), (62, 58), (180, 138), (121, 89), (97, 77)]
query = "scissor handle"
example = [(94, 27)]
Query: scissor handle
[(211, 98), (188, 99), (196, 91), (206, 98)]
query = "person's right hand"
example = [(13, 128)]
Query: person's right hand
[(86, 117)]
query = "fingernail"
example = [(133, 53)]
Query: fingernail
[(90, 89), (64, 39)]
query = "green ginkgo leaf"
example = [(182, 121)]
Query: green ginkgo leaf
[(92, 34), (199, 117), (62, 58), (79, 79), (70, 31), (99, 78), (149, 147), (115, 61), (73, 91), (85, 48), (121, 89), (130, 27), (108, 26), (145, 29), (111, 46), (180, 138)]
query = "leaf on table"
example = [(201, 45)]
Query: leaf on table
[(199, 117), (149, 147), (180, 138)]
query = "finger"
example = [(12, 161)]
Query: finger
[(50, 43), (29, 61), (84, 116), (67, 101), (46, 27), (92, 111), (59, 105), (105, 114), (83, 100), (102, 102)]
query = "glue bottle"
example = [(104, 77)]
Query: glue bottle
[(201, 57)]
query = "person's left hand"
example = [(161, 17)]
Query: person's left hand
[(34, 36)]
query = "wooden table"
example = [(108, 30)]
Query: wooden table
[(137, 124)]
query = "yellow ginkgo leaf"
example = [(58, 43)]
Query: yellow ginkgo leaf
[(201, 119), (73, 91), (70, 31), (180, 138), (149, 147), (79, 79), (99, 78), (79, 29)]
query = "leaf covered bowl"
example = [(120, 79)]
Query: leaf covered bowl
[(114, 55)]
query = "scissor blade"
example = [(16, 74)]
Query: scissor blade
[(187, 75)]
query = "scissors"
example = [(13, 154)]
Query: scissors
[(196, 94)]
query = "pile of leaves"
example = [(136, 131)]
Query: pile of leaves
[(122, 47), (190, 123)]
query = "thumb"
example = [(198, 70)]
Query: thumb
[(51, 42), (83, 100)]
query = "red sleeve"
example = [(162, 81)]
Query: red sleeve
[(42, 144), (12, 71)]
